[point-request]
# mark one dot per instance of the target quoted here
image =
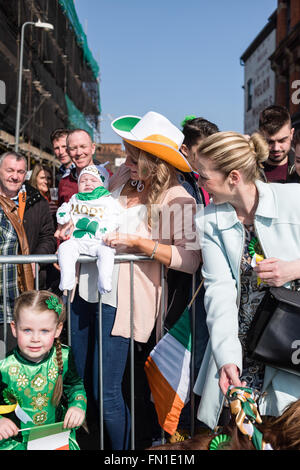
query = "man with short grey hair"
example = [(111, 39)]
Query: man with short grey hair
[(13, 168), (26, 227), (81, 148)]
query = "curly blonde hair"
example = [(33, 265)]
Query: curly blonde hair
[(162, 176)]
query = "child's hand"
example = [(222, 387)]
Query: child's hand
[(74, 417), (7, 428)]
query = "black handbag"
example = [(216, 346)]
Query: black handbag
[(274, 334)]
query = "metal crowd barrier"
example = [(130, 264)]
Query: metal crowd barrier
[(50, 259)]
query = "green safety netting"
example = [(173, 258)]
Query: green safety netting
[(77, 119), (69, 9)]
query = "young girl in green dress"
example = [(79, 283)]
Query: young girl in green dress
[(39, 375)]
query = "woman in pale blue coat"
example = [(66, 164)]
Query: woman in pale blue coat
[(243, 208)]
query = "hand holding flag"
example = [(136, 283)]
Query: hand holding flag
[(7, 428), (74, 417), (48, 437)]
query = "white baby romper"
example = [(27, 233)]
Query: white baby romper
[(93, 214)]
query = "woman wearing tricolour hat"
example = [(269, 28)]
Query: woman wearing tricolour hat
[(148, 187), (159, 223), (154, 134)]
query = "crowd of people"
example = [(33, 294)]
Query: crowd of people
[(191, 200)]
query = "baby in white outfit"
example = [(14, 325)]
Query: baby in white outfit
[(94, 212)]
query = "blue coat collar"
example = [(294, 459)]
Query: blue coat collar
[(267, 207)]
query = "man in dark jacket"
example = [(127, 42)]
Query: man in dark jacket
[(23, 213), (38, 223)]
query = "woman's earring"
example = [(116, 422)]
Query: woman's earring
[(140, 187), (138, 184)]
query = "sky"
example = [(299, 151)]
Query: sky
[(174, 57)]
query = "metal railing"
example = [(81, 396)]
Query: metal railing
[(124, 258)]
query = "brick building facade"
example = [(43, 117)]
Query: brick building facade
[(284, 61), (112, 153)]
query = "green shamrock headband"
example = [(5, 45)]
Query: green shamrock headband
[(54, 304)]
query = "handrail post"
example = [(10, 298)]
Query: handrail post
[(192, 370), (132, 358), (4, 309), (69, 329), (162, 323), (100, 365), (36, 276)]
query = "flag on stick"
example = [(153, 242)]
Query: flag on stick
[(48, 437), (168, 371)]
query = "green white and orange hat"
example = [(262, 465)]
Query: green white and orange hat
[(154, 134)]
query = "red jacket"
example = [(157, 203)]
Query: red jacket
[(66, 188)]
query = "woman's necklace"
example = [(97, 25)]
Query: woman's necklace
[(139, 185)]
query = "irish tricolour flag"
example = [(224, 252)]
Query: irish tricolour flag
[(48, 437), (168, 373)]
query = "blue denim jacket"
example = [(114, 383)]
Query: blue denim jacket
[(277, 224)]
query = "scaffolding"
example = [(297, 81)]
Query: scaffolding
[(60, 76)]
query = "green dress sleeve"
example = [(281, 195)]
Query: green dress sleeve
[(73, 384)]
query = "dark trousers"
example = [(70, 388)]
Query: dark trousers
[(85, 347)]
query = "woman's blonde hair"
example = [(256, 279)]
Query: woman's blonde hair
[(161, 173), (36, 301), (233, 151)]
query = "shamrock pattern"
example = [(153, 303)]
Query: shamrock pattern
[(85, 227)]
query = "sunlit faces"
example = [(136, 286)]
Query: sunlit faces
[(35, 333), (12, 175), (88, 183), (279, 144), (81, 149), (213, 181), (43, 181), (60, 151)]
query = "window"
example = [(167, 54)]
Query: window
[(249, 94)]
